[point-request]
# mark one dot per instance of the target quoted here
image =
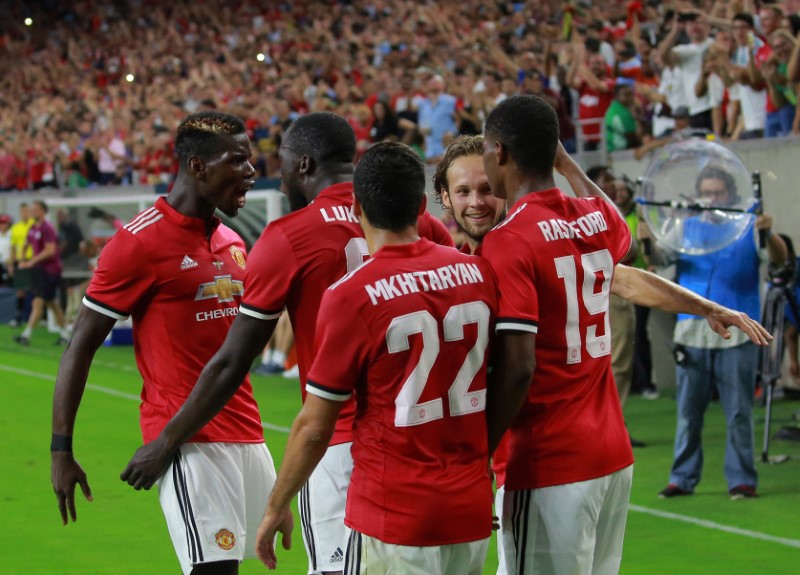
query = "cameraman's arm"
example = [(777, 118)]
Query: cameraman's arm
[(655, 254), (776, 247)]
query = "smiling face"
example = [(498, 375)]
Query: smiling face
[(470, 199), (229, 174)]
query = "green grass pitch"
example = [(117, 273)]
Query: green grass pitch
[(123, 531)]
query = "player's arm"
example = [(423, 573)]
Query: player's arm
[(311, 433), (583, 187), (91, 329), (217, 383), (647, 289), (512, 372)]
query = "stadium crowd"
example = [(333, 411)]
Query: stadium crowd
[(92, 91)]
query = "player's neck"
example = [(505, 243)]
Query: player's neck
[(189, 203), (378, 238), (327, 181), (525, 184)]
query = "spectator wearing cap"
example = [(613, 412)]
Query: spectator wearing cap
[(681, 124)]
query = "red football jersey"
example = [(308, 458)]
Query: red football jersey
[(556, 282), (294, 261), (407, 333), (182, 291)]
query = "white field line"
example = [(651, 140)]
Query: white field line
[(717, 526), (637, 508), (114, 392)]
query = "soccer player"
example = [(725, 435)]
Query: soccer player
[(460, 184), (569, 469), (294, 261), (178, 271), (406, 334)]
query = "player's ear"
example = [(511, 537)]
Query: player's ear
[(423, 205), (197, 167), (446, 200), (501, 154), (306, 165)]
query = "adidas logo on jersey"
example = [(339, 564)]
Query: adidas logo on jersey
[(337, 556), (188, 263)]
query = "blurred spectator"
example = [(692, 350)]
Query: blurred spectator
[(385, 125), (689, 60), (436, 118), (622, 130), (111, 158), (782, 92), (750, 97), (595, 89)]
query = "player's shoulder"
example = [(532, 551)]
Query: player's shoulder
[(148, 225)]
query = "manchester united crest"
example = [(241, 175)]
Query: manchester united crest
[(238, 257), (225, 539)]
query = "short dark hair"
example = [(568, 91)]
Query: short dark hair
[(458, 148), (324, 136), (389, 183), (717, 172), (528, 128), (198, 135), (41, 204), (596, 172), (746, 18)]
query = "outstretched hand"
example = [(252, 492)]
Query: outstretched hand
[(265, 539), (148, 464), (65, 473), (723, 318)]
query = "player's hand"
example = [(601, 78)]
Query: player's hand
[(65, 473), (148, 464), (272, 523), (25, 265), (723, 318)]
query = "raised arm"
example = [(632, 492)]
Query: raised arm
[(217, 383)]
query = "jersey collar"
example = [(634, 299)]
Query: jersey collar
[(542, 196), (175, 217), (410, 250), (340, 190)]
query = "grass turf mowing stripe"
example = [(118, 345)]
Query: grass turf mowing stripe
[(718, 526), (114, 392)]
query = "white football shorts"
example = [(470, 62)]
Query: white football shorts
[(213, 496), (321, 505), (369, 556), (574, 529)]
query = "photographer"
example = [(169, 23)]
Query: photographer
[(730, 277)]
